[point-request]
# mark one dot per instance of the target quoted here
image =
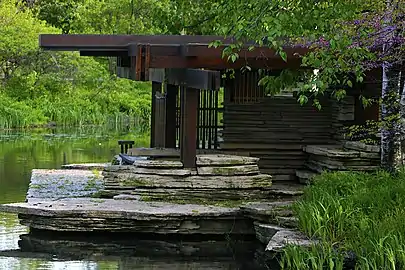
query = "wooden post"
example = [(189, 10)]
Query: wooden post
[(188, 122), (171, 95), (156, 87)]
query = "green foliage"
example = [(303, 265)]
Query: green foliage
[(179, 16), (19, 32), (340, 35), (114, 17), (38, 87), (58, 13), (366, 133), (352, 212)]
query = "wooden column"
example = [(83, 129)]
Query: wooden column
[(171, 95), (156, 87), (188, 126)]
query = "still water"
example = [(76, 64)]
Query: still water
[(21, 151)]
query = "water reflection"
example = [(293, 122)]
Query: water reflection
[(22, 151)]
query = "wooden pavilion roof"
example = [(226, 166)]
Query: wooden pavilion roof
[(172, 51)]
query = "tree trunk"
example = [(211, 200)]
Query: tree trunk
[(391, 118)]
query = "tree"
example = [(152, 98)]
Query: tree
[(58, 13), (19, 32), (186, 17), (345, 38)]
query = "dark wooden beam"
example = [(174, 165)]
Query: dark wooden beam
[(112, 53), (199, 50), (171, 97), (79, 42), (193, 78), (188, 124), (156, 88), (221, 64)]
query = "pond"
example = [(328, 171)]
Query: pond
[(21, 151)]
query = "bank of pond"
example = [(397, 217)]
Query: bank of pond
[(353, 220)]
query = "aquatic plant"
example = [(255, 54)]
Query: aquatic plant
[(352, 213)]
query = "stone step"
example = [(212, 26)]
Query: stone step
[(333, 151), (360, 146), (278, 213), (225, 160), (131, 181), (305, 176), (276, 238), (56, 184), (86, 166), (97, 215)]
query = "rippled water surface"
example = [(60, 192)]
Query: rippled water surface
[(20, 152)]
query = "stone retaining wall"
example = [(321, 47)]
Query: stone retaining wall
[(217, 177)]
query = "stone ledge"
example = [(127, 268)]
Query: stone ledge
[(333, 151), (360, 146), (132, 181), (86, 166), (85, 215), (56, 184), (225, 160), (277, 238)]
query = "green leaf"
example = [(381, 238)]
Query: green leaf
[(283, 55), (302, 99), (233, 57)]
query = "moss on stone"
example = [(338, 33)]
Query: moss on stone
[(199, 201), (96, 173), (135, 183)]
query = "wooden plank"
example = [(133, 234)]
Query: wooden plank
[(190, 45), (220, 63), (189, 100), (193, 78), (156, 88), (171, 96)]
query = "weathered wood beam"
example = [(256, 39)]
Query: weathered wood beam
[(220, 64), (193, 78), (189, 106), (78, 42), (112, 53), (171, 97), (156, 88)]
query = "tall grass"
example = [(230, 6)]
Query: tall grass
[(352, 213), (78, 107)]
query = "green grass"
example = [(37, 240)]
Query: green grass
[(362, 213)]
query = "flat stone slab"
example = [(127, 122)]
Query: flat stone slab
[(205, 195), (284, 237), (268, 208), (264, 232), (86, 166), (360, 146), (305, 176), (148, 171), (286, 190), (229, 170), (158, 164), (278, 212), (335, 151), (133, 181), (225, 160), (56, 184), (154, 152), (86, 214)]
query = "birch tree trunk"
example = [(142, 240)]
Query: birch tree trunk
[(391, 109), (391, 118)]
